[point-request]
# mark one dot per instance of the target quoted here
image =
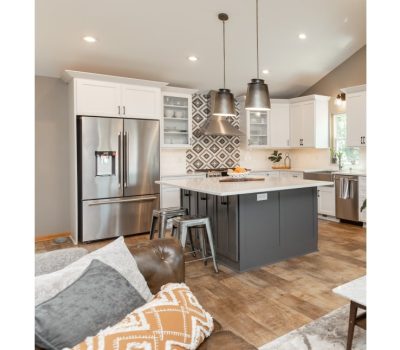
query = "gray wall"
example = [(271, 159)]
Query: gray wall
[(351, 72), (51, 157)]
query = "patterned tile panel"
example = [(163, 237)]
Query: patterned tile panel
[(211, 151)]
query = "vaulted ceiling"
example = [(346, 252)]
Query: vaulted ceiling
[(151, 39)]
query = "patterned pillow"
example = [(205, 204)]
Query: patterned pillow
[(173, 320)]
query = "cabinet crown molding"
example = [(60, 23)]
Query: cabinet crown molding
[(310, 98), (69, 75), (353, 89)]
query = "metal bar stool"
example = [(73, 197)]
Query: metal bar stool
[(162, 215), (183, 224)]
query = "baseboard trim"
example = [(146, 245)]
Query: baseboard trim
[(52, 236)]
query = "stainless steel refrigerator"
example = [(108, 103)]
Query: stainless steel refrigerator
[(118, 164)]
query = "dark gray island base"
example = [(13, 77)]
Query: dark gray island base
[(249, 233)]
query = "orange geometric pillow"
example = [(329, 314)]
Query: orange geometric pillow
[(172, 320)]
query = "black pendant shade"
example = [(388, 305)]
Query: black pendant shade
[(257, 97), (224, 103)]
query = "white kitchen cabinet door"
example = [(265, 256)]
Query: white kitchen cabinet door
[(293, 174), (326, 200), (356, 119), (309, 122), (142, 102), (296, 124), (97, 98), (279, 125), (362, 195), (170, 197)]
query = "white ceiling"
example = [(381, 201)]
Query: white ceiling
[(151, 39)]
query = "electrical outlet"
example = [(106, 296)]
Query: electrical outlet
[(262, 197)]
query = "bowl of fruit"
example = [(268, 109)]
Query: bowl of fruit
[(238, 172)]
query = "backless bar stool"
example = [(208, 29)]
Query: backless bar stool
[(183, 224), (162, 215)]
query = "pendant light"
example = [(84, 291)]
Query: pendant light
[(257, 97), (224, 100)]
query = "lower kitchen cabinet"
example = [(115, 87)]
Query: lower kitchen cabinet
[(294, 174), (171, 196), (362, 195), (326, 200)]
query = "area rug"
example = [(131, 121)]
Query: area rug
[(326, 333)]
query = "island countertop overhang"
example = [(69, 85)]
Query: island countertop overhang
[(214, 187)]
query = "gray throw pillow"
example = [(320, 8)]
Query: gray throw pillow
[(99, 298)]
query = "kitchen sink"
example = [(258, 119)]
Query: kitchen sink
[(322, 175)]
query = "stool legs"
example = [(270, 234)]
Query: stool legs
[(162, 225), (153, 225), (211, 241)]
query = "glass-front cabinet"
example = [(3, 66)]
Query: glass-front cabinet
[(258, 129), (176, 120), (256, 126)]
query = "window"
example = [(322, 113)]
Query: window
[(350, 155)]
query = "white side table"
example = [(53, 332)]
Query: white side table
[(355, 291)]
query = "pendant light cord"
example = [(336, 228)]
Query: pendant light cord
[(223, 36), (258, 64)]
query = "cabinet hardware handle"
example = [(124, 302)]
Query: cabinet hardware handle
[(318, 193), (119, 109), (203, 198), (223, 203), (124, 109)]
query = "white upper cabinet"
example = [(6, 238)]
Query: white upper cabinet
[(109, 99), (280, 123), (356, 113), (141, 102), (309, 122), (97, 98), (256, 126), (176, 117)]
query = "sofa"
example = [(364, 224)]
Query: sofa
[(160, 261)]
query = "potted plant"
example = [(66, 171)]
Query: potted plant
[(275, 158), (333, 155)]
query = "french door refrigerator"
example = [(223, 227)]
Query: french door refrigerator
[(118, 164)]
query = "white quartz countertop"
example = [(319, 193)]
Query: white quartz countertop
[(215, 187), (354, 290)]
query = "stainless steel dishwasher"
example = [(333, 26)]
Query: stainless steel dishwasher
[(346, 196)]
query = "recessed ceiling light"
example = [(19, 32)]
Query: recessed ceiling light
[(192, 58), (89, 39), (302, 36), (346, 20), (265, 71)]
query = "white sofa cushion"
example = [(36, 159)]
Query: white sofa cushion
[(115, 254)]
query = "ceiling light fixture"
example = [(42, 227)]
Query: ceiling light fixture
[(340, 99), (89, 39), (224, 100), (257, 97), (302, 36), (193, 58), (265, 71)]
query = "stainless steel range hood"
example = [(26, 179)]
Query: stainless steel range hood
[(218, 125)]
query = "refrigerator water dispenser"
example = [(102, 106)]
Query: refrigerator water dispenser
[(105, 163)]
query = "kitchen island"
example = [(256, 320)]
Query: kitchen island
[(255, 223)]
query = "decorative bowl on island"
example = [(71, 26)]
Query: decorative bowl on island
[(238, 172)]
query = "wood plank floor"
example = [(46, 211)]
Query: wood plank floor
[(265, 303)]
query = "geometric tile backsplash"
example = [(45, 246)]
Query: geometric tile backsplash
[(209, 152)]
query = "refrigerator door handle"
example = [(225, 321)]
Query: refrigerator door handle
[(126, 155), (141, 199), (119, 160)]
